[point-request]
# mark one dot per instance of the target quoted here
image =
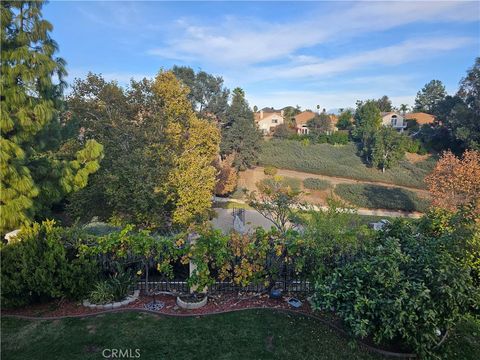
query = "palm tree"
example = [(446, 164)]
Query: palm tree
[(404, 108)]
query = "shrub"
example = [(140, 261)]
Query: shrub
[(316, 184), (102, 293), (407, 286), (39, 265), (115, 288), (381, 197), (338, 137), (270, 170)]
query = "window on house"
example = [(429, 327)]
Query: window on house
[(274, 121), (394, 120)]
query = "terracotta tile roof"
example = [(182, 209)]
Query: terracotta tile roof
[(421, 117), (302, 118)]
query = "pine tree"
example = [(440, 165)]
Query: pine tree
[(430, 95), (33, 177), (240, 135)]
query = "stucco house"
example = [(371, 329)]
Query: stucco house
[(394, 120), (304, 117), (301, 121), (267, 119)]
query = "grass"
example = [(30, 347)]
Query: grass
[(381, 197), (316, 184), (251, 334), (343, 161)]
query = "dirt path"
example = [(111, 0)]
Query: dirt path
[(250, 177)]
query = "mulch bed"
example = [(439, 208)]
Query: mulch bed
[(217, 303)]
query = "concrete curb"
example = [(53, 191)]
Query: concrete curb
[(114, 305)]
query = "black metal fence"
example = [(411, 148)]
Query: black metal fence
[(181, 286)]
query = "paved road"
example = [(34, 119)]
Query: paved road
[(224, 220)]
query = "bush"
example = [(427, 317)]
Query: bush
[(325, 159), (381, 197), (115, 288), (338, 137), (270, 170), (316, 184), (38, 266), (407, 286), (283, 131), (101, 293)]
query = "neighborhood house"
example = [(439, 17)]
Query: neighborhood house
[(394, 120), (301, 121), (267, 119)]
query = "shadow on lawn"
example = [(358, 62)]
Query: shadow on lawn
[(380, 197)]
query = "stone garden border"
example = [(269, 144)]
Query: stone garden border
[(191, 305), (114, 305)]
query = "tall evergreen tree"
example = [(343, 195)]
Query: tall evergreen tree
[(35, 172), (240, 135), (207, 93), (430, 95), (367, 122), (384, 104)]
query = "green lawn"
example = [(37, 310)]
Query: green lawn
[(326, 159), (251, 334), (381, 197)]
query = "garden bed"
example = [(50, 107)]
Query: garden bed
[(216, 304)]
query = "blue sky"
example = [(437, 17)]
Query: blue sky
[(281, 53)]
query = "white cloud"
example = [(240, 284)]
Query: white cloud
[(249, 41), (391, 55)]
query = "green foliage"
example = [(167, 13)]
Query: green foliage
[(430, 95), (340, 161), (388, 148), (240, 135), (316, 184), (114, 288), (407, 286), (207, 93), (270, 170), (153, 143), (36, 172), (384, 104), (338, 138), (381, 197), (276, 199), (320, 124), (345, 120), (41, 264), (367, 122), (283, 131), (332, 236), (101, 293)]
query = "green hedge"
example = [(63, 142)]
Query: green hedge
[(316, 184), (38, 265), (407, 287), (326, 159), (381, 197)]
